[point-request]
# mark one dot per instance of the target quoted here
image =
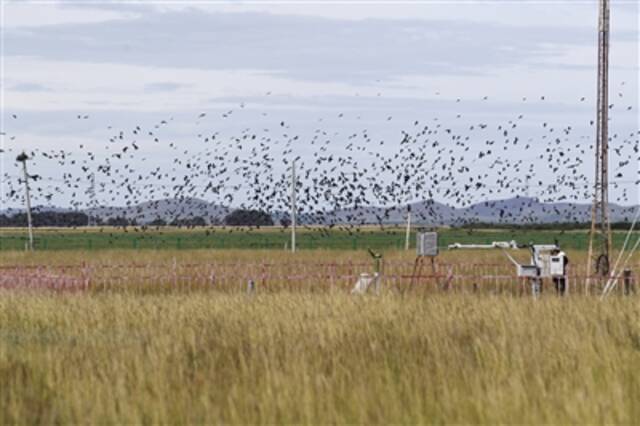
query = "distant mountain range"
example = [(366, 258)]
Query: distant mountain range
[(517, 210), (167, 209)]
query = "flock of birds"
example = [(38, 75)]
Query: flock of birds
[(343, 179)]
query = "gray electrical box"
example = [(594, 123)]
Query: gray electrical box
[(427, 244)]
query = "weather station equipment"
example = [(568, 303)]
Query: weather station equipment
[(547, 261), (365, 280), (426, 248)]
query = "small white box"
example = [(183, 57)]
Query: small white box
[(544, 262), (556, 266)]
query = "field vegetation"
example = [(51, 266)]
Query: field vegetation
[(276, 238), (309, 352), (323, 358)]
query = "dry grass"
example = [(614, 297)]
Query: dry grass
[(308, 270), (298, 357), (329, 358), (59, 257)]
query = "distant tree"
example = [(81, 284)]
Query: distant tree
[(118, 221), (17, 220), (189, 222), (46, 218), (158, 222), (60, 219), (197, 221), (285, 222), (5, 220), (244, 217), (215, 220)]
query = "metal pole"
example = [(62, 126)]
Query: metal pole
[(627, 282), (293, 206), (600, 234), (90, 219), (604, 126), (408, 234), (27, 198)]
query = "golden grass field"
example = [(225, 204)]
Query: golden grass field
[(312, 357)]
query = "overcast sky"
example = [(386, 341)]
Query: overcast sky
[(126, 63)]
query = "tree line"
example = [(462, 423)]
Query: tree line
[(240, 217)]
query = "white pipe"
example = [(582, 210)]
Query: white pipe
[(624, 247), (408, 235), (614, 281)]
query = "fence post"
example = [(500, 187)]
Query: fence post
[(83, 274), (628, 282), (175, 273), (332, 272)]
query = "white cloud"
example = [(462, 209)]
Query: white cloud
[(110, 86), (85, 86), (521, 13), (27, 15)]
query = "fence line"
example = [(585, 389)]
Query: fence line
[(271, 276)]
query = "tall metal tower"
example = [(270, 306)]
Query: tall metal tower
[(600, 235)]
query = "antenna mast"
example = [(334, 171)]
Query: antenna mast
[(92, 193), (293, 206), (600, 235), (22, 158)]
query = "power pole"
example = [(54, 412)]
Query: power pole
[(408, 233), (600, 235), (22, 158), (92, 194), (293, 206)]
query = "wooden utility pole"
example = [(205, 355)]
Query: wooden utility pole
[(600, 235), (22, 158)]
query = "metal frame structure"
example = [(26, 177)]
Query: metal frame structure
[(423, 252), (600, 234), (541, 260)]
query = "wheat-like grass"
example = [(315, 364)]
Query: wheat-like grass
[(321, 358)]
